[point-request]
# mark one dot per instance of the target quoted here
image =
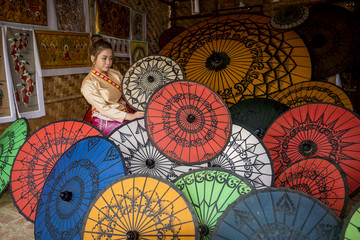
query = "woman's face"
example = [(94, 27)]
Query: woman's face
[(103, 61)]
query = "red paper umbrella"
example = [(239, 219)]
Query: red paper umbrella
[(37, 157), (317, 130), (188, 122), (320, 178)]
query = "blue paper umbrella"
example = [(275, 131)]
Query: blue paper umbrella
[(141, 156), (85, 169), (210, 191), (247, 156), (277, 213)]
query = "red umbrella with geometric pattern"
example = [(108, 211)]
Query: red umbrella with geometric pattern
[(188, 122), (320, 178), (317, 130), (38, 155)]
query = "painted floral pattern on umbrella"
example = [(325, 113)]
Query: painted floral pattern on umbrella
[(319, 178), (317, 130), (188, 122), (37, 157), (140, 207), (241, 56)]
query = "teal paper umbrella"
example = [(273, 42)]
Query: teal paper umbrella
[(278, 213), (11, 140), (210, 191)]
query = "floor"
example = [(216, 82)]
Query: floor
[(15, 227)]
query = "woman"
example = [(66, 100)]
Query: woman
[(101, 89)]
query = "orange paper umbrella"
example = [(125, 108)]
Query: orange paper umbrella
[(188, 122), (317, 130), (38, 155), (241, 56), (140, 207), (313, 92), (320, 178)]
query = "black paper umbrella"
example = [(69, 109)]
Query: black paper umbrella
[(141, 156), (241, 56), (169, 34), (290, 17), (247, 156), (140, 207), (84, 170), (278, 213), (146, 76), (257, 114), (11, 140), (210, 191), (38, 155), (332, 35)]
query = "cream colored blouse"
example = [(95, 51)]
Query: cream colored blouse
[(103, 93)]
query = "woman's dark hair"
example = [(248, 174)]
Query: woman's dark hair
[(98, 44)]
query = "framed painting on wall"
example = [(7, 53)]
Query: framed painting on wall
[(138, 25), (7, 106), (112, 19), (73, 20), (24, 12), (63, 49), (138, 51)]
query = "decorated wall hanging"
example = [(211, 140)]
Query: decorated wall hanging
[(26, 12), (138, 25), (241, 56), (73, 20), (24, 72), (138, 51), (7, 104), (112, 19), (63, 49), (121, 47)]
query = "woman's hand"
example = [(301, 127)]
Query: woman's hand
[(132, 116)]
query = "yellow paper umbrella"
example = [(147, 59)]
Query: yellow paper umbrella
[(140, 207), (313, 92), (241, 56)]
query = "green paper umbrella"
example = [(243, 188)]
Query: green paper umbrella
[(11, 140), (210, 191), (351, 226)]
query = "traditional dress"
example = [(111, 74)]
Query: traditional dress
[(103, 93)]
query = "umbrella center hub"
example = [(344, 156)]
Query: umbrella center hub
[(318, 41), (191, 118), (66, 196), (132, 235), (307, 148), (151, 79), (217, 61), (150, 163), (203, 230)]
